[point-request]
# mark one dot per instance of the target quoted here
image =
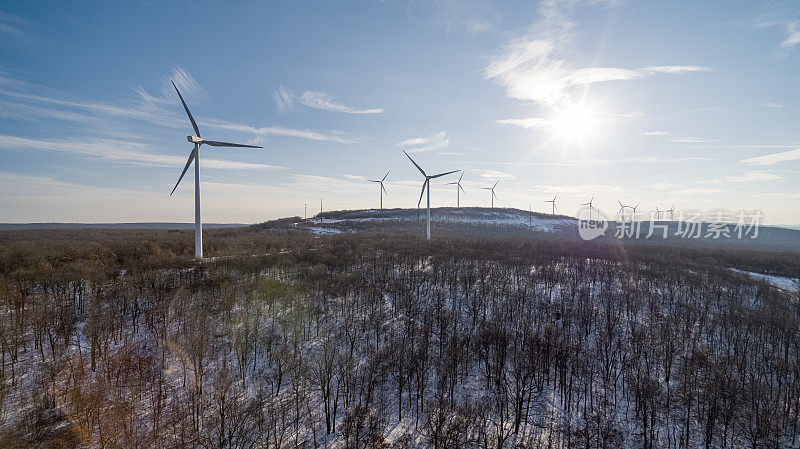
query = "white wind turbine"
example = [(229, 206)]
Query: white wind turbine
[(591, 207), (426, 184), (459, 189), (492, 189), (194, 156), (553, 201), (382, 188)]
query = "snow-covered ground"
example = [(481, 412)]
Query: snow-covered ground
[(788, 284), (469, 216)]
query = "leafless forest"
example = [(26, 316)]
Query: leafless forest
[(117, 339)]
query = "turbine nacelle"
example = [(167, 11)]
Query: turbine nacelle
[(194, 139)]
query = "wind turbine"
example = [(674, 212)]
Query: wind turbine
[(590, 207), (634, 211), (671, 211), (194, 156), (492, 189), (459, 189), (658, 213), (554, 203), (382, 188), (427, 184)]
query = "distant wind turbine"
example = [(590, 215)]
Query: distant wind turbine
[(382, 189), (426, 184), (671, 211), (459, 189), (492, 189), (194, 156), (554, 203), (658, 213), (590, 206)]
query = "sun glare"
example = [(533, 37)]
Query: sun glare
[(575, 122)]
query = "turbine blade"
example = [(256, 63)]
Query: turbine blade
[(442, 174), (384, 189), (554, 198), (423, 191), (215, 143), (450, 183), (188, 163), (373, 180), (191, 119), (415, 165), (462, 175), (495, 184), (387, 174), (462, 189)]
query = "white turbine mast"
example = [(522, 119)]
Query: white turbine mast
[(427, 184), (194, 156)]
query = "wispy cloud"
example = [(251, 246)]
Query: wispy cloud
[(534, 68), (747, 176), (774, 158), (528, 123), (426, 143), (494, 174), (14, 27), (792, 35), (655, 133), (279, 131), (323, 101), (283, 98), (161, 110), (691, 140), (772, 105), (128, 152), (471, 16)]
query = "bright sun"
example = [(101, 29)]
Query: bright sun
[(574, 122)]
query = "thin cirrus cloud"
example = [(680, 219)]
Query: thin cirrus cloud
[(160, 109), (533, 68), (426, 143), (285, 101), (323, 101), (774, 158), (132, 153), (747, 176), (691, 140), (655, 133)]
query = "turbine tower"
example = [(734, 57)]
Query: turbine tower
[(459, 189), (194, 156), (554, 203), (492, 189), (426, 184), (590, 207), (382, 188)]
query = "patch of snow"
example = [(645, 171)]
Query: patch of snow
[(324, 231), (783, 283)]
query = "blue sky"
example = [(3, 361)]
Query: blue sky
[(652, 103)]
